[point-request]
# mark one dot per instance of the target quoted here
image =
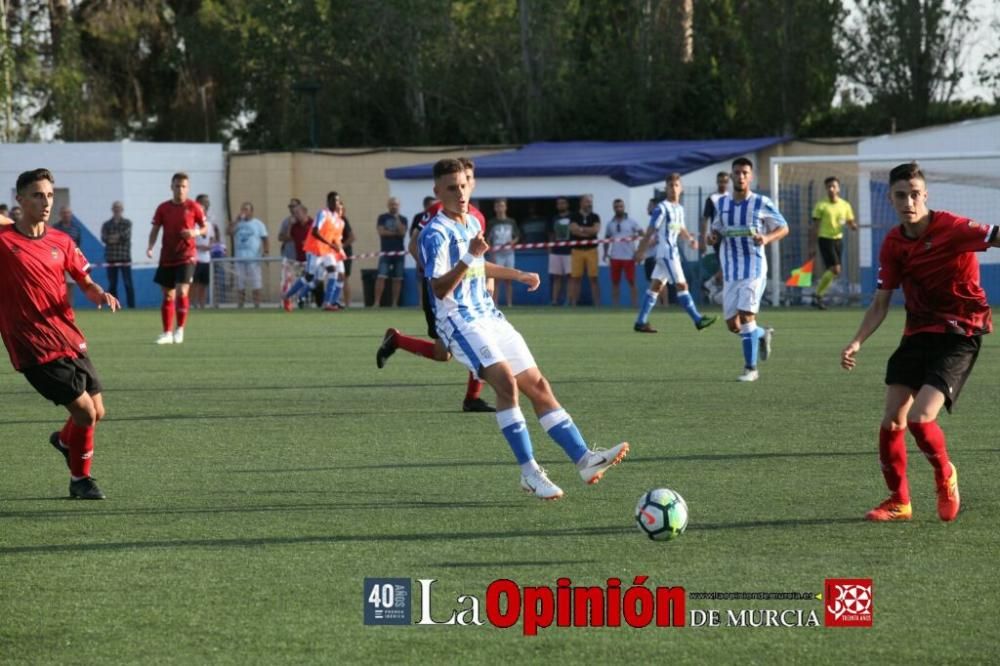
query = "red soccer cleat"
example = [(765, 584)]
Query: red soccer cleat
[(948, 500)]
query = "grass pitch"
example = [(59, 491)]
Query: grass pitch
[(257, 473)]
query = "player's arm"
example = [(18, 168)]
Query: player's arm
[(503, 273), (153, 234), (874, 316), (446, 283), (686, 235), (96, 295), (412, 247), (640, 252)]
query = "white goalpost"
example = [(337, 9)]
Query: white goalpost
[(966, 183)]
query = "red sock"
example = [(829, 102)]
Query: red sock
[(930, 439), (81, 449), (474, 388), (167, 314), (892, 456), (183, 305), (417, 346), (64, 433)]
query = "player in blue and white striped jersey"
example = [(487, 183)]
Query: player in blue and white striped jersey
[(477, 334), (745, 223), (667, 224)]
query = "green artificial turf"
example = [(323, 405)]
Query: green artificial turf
[(259, 472)]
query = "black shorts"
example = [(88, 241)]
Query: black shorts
[(64, 380), (831, 249), (169, 277), (428, 310), (941, 360), (349, 251), (201, 271)]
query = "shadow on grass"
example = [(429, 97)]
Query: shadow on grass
[(496, 565), (401, 505), (320, 540)]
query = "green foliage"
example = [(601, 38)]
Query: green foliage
[(270, 73)]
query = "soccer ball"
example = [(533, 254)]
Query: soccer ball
[(661, 514)]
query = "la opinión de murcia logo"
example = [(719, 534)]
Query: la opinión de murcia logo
[(848, 602)]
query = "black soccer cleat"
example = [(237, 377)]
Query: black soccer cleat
[(644, 328), (477, 405), (85, 488), (387, 348), (57, 445)]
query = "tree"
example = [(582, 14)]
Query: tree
[(907, 54)]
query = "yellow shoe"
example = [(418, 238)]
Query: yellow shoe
[(947, 496), (890, 509)]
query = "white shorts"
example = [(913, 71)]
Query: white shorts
[(318, 264), (247, 274), (742, 295), (668, 270), (484, 342), (504, 258), (559, 264)]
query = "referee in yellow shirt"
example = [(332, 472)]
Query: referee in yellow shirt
[(829, 217)]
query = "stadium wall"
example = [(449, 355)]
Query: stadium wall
[(90, 176)]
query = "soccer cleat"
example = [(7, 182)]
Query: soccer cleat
[(165, 339), (58, 446), (85, 488), (477, 405), (948, 500), (596, 462), (179, 336), (749, 375), (333, 307), (818, 303), (765, 343), (644, 328), (387, 348), (705, 322), (286, 303), (891, 509), (538, 484)]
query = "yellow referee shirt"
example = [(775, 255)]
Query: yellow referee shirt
[(832, 217)]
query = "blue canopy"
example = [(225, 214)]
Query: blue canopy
[(629, 162)]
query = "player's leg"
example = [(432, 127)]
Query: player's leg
[(684, 295), (184, 277), (658, 279), (922, 422), (830, 251), (167, 309), (892, 455), (304, 283)]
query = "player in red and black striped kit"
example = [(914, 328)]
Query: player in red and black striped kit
[(39, 329), (931, 254), (433, 349)]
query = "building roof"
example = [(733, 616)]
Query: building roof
[(632, 163)]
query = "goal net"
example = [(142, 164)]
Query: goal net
[(968, 185)]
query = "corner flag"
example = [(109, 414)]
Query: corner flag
[(801, 276)]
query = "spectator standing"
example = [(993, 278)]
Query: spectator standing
[(289, 270), (713, 285), (585, 226), (391, 228), (419, 221), (70, 225), (500, 231), (620, 252), (298, 232), (203, 248), (116, 234), (250, 243), (559, 257)]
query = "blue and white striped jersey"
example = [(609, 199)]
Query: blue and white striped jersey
[(442, 242), (668, 220), (737, 222)]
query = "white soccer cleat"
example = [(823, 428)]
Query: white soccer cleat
[(748, 375), (765, 344), (178, 336), (538, 484), (165, 339), (596, 462)]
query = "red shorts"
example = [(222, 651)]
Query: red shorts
[(619, 265)]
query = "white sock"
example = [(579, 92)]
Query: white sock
[(530, 466)]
